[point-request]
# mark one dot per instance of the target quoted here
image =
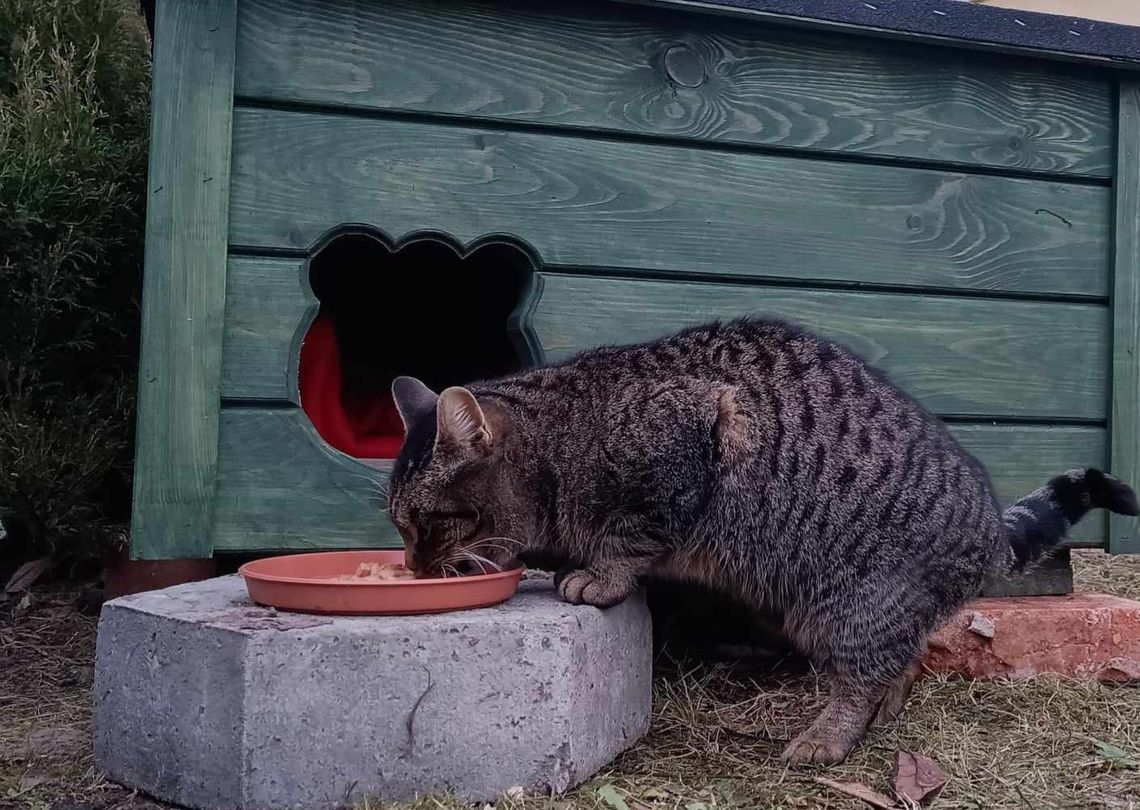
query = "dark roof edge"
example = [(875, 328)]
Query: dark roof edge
[(945, 22)]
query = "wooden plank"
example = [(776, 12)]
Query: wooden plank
[(628, 71), (665, 208), (1020, 458), (269, 307), (185, 278), (280, 487), (959, 356), (926, 33), (1125, 531)]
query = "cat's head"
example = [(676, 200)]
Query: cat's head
[(453, 494)]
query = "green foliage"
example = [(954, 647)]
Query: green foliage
[(74, 77)]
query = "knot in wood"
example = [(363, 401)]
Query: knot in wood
[(684, 67)]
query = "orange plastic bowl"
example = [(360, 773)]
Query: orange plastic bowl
[(311, 583)]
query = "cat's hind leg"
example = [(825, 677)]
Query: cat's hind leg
[(897, 695), (867, 652), (839, 727), (855, 705)]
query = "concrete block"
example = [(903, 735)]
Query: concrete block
[(1085, 635), (208, 701)]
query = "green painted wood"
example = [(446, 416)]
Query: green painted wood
[(888, 37), (281, 487), (665, 208), (960, 356), (269, 307), (1125, 531), (184, 284), (628, 71), (1020, 458)]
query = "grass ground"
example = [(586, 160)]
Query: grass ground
[(716, 735)]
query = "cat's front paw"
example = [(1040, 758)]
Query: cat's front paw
[(584, 586)]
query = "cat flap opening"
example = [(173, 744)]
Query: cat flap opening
[(424, 310)]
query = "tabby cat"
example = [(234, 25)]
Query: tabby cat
[(749, 456)]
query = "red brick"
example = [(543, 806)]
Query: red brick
[(1090, 636)]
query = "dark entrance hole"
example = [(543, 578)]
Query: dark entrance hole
[(425, 309)]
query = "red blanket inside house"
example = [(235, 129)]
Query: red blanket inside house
[(361, 426)]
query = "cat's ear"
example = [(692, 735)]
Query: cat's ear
[(413, 399), (460, 421)]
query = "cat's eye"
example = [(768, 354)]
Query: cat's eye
[(459, 526)]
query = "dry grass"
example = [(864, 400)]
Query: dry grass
[(715, 740), (1096, 571), (717, 735), (46, 667)]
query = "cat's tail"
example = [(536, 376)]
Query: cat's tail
[(1040, 520)]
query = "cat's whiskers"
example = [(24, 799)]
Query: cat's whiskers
[(480, 561), (503, 549), (468, 547), (372, 482), (486, 543), (484, 560), (465, 556), (504, 539)]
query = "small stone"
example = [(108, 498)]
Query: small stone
[(982, 626), (515, 793)]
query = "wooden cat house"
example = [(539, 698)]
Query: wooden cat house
[(346, 190)]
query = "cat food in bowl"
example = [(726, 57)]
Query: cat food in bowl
[(368, 583), (380, 572)]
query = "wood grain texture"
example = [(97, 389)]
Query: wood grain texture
[(959, 356), (1125, 531), (678, 76), (929, 33), (269, 307), (280, 487), (185, 278), (664, 208), (1020, 458)]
